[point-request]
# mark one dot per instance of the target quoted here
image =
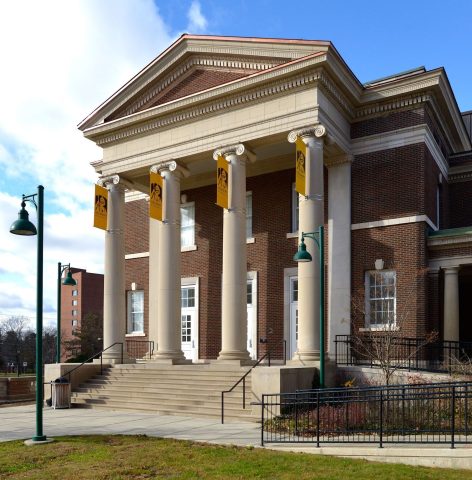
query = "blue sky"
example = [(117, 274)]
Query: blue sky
[(61, 59)]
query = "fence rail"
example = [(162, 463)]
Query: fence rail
[(431, 413), (411, 354)]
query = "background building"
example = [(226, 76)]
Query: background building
[(78, 302)]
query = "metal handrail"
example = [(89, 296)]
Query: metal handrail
[(243, 379), (94, 356)]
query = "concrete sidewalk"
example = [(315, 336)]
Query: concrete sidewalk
[(18, 423)]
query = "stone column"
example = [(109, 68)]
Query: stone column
[(168, 265), (153, 279), (339, 249), (311, 216), (451, 304), (234, 304), (114, 302)]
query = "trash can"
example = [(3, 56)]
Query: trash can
[(60, 395)]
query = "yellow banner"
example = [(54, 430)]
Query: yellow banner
[(300, 166), (100, 215), (222, 182), (155, 196)]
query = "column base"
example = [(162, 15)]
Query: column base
[(175, 357), (234, 355), (309, 358)]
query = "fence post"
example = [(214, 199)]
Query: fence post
[(381, 420), (222, 407), (262, 421), (318, 419), (453, 416)]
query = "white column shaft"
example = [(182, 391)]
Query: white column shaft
[(451, 304), (168, 281), (153, 279), (311, 213), (234, 305), (339, 253), (114, 311)]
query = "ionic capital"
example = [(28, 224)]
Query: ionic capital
[(170, 166), (239, 150), (116, 181), (316, 131)]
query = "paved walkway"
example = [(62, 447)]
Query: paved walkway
[(18, 422)]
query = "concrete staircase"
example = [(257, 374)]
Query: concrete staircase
[(188, 390)]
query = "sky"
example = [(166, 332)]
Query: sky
[(61, 59)]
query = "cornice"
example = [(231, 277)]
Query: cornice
[(449, 242), (376, 109)]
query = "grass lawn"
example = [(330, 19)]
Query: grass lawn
[(141, 457)]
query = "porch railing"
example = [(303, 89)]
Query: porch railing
[(432, 413), (411, 354)]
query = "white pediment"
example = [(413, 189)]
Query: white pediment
[(196, 63)]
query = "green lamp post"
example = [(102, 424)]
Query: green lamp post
[(303, 256), (23, 226), (67, 281)]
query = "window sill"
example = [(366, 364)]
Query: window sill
[(137, 334), (188, 248), (292, 235), (380, 328), (250, 240)]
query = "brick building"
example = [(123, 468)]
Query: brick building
[(78, 301), (389, 175)]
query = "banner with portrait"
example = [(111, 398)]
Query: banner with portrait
[(222, 182), (300, 166), (156, 190), (100, 211)]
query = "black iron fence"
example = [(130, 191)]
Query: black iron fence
[(430, 413), (405, 353)]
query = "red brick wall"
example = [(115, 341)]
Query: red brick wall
[(137, 271), (136, 226), (402, 247), (388, 184), (387, 123), (460, 195)]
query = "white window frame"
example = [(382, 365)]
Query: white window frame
[(191, 246), (384, 325), (249, 217), (129, 313), (194, 282), (74, 303), (75, 293)]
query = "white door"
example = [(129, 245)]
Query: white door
[(293, 316), (251, 320), (189, 322)]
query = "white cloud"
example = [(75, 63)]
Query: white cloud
[(197, 22), (60, 60)]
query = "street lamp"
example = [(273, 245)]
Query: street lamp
[(303, 256), (67, 281), (23, 226)]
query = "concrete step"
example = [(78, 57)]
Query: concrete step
[(174, 390), (184, 410)]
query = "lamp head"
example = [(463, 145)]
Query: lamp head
[(302, 255), (23, 226), (69, 280)]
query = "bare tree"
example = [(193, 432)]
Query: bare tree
[(386, 346)]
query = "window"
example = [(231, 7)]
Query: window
[(248, 214), (74, 313), (380, 291), (295, 208), (74, 323), (187, 229), (74, 302), (249, 293), (75, 293), (188, 297), (136, 311)]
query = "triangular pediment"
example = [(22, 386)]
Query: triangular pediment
[(194, 64)]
